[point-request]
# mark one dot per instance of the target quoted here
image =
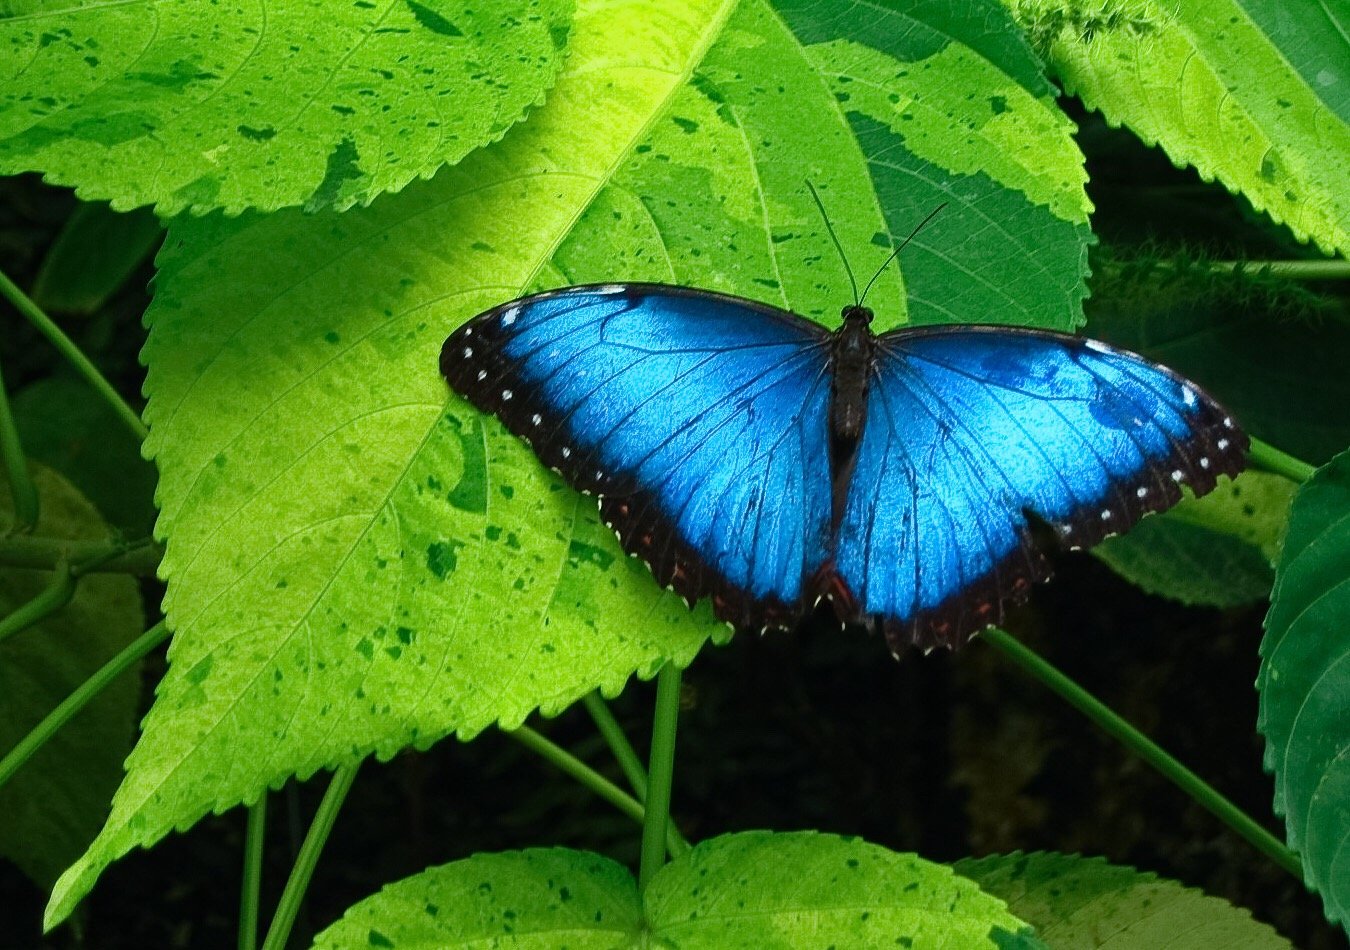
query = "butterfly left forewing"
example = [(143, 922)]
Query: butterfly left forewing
[(691, 414), (974, 432)]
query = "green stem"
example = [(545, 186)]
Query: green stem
[(77, 700), (602, 787), (618, 743), (140, 557), (660, 773), (1271, 459), (1336, 269), (296, 885), (21, 485), (1146, 749), (52, 598), (252, 883), (67, 348)]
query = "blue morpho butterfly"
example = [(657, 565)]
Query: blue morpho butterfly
[(752, 455)]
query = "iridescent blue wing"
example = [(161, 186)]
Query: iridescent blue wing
[(698, 418), (975, 433)]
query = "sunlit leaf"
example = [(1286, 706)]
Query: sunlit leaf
[(1085, 904), (264, 105), (753, 890), (357, 561), (1210, 82)]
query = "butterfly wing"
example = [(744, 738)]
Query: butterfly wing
[(698, 418), (970, 429)]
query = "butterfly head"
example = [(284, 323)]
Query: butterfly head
[(857, 313)]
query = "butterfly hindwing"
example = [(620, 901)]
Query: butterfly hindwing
[(975, 433), (697, 417)]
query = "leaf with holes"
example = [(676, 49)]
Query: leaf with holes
[(1250, 93), (189, 106), (753, 890), (1086, 903), (356, 560), (1305, 684)]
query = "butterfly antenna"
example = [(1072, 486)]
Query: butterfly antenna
[(896, 253), (835, 238)]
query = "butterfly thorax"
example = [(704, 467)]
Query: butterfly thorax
[(853, 351), (852, 357)]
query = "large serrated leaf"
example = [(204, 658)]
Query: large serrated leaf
[(1085, 903), (753, 890), (56, 802), (1210, 81), (759, 889), (190, 106), (1305, 683), (358, 561)]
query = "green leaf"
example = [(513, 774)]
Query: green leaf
[(1273, 357), (755, 889), (1085, 903), (1305, 683), (548, 898), (93, 256), (357, 561), (63, 424), (56, 802), (1217, 551), (949, 106), (1210, 81), (758, 889), (194, 107)]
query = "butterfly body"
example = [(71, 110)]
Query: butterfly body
[(757, 458)]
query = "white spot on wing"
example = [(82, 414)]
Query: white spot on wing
[(1177, 475), (468, 352), (1097, 345), (509, 317), (1223, 444), (536, 419), (1204, 461), (610, 289), (482, 375), (1228, 422), (1140, 492), (1106, 514), (1188, 396), (506, 395), (566, 452)]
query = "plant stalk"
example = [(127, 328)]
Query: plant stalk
[(21, 487), (576, 769), (618, 743), (139, 557), (76, 701), (296, 885), (660, 774), (67, 348), (1335, 269), (252, 883), (1271, 459), (1194, 786), (58, 592)]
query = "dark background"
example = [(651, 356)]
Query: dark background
[(946, 755)]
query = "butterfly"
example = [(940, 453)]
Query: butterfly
[(753, 456)]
